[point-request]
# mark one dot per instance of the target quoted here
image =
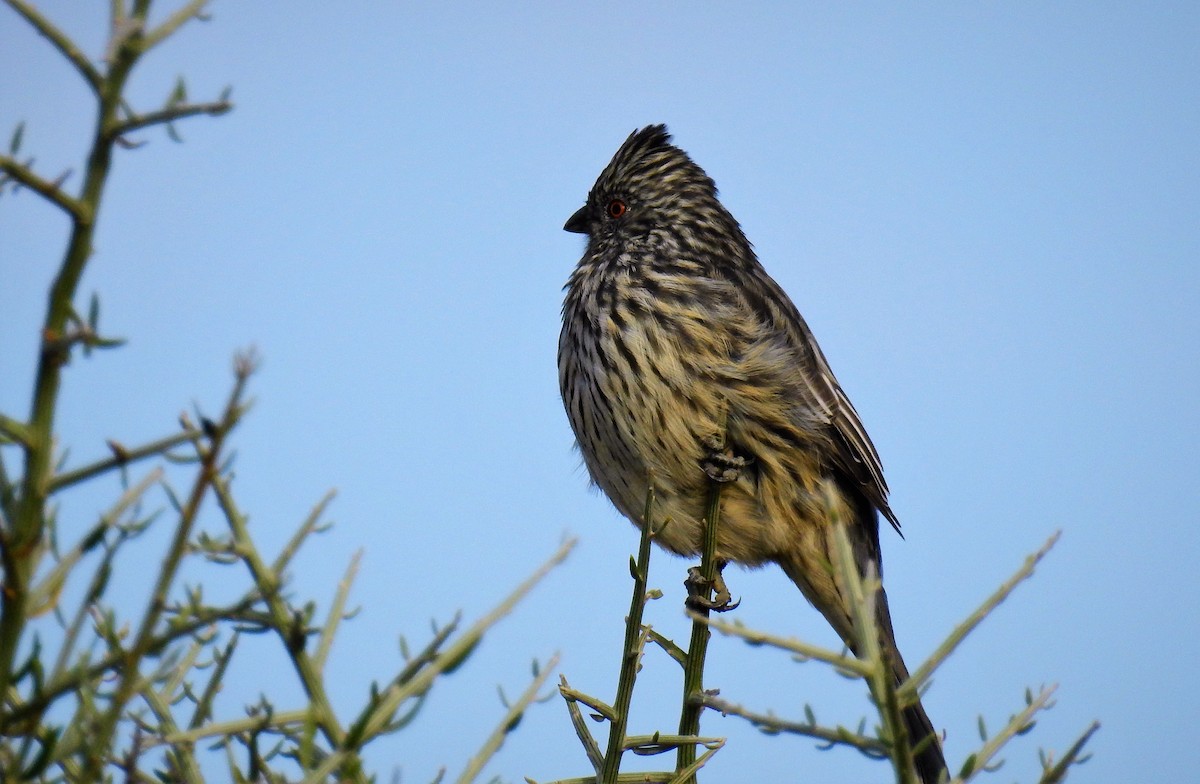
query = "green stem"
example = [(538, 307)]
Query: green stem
[(490, 746), (22, 542), (130, 681), (693, 669), (631, 650), (774, 725), (65, 46), (121, 457), (47, 189), (74, 680), (862, 592), (282, 620)]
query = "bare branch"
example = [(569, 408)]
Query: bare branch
[(168, 115), (65, 46), (50, 190), (506, 725), (917, 680), (13, 430), (176, 20), (768, 723), (1058, 772), (980, 760), (121, 457)]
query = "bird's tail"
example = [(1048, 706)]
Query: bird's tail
[(807, 566), (928, 759)]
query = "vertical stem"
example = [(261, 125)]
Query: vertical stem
[(631, 651), (693, 669), (21, 543), (129, 680)]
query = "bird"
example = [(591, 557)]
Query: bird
[(682, 362)]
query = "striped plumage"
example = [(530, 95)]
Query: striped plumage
[(672, 330)]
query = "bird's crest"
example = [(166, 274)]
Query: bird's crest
[(648, 160)]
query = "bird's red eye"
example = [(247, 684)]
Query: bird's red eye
[(616, 208)]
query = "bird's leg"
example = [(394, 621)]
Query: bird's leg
[(698, 588), (720, 462)]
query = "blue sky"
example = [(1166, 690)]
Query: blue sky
[(987, 213)]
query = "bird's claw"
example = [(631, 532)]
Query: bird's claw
[(722, 464), (698, 589)]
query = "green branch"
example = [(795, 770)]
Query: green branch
[(979, 761), (774, 724), (129, 677), (168, 115), (73, 680), (862, 593), (631, 649), (65, 46), (1055, 773), (396, 694), (14, 431), (337, 612), (194, 9), (122, 457), (23, 535), (912, 687), (803, 650), (515, 711), (50, 190), (283, 620), (279, 720), (693, 670), (573, 697), (26, 530)]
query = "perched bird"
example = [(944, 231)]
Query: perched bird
[(681, 361)]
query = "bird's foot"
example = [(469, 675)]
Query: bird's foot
[(698, 589), (720, 463)]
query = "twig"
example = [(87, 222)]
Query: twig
[(590, 747), (689, 773), (14, 430), (979, 761), (848, 664), (122, 457), (173, 22), (693, 668), (1058, 772), (168, 115), (182, 755), (861, 592), (279, 720), (397, 694), (603, 710), (377, 717), (303, 532), (649, 745), (26, 529), (631, 648), (506, 725), (282, 620), (336, 612), (60, 41), (43, 595), (73, 680), (768, 723), (207, 476), (50, 190), (911, 688)]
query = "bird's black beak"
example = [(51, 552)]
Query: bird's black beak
[(577, 223)]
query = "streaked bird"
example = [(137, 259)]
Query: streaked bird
[(682, 361)]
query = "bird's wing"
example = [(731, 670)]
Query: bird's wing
[(819, 388)]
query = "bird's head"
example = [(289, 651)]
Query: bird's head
[(649, 184)]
